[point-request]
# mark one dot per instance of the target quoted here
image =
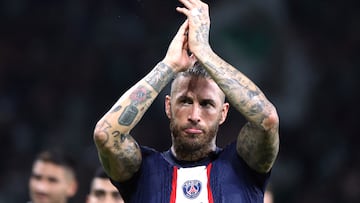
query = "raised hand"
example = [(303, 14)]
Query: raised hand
[(197, 13), (177, 56)]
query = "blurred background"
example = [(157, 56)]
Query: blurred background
[(64, 63)]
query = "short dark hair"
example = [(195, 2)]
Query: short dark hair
[(58, 157), (197, 70), (100, 173)]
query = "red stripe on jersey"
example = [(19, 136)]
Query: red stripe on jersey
[(210, 197), (173, 185)]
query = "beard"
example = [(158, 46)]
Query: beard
[(199, 144)]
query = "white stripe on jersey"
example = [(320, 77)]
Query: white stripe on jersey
[(192, 185)]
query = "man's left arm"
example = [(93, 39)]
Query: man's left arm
[(258, 140)]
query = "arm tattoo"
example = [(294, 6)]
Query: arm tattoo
[(242, 97), (259, 153), (127, 152), (128, 116), (202, 34), (137, 97), (116, 139), (258, 140), (140, 95), (160, 76), (116, 109)]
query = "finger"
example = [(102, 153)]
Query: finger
[(183, 29), (184, 11), (186, 3)]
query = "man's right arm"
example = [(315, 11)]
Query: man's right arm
[(118, 151)]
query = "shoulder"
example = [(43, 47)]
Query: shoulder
[(228, 158), (150, 154), (145, 150)]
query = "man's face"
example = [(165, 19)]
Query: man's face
[(102, 191), (51, 183), (196, 109)]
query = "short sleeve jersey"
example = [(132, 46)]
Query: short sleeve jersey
[(223, 177)]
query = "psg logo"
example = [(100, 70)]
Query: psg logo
[(191, 189)]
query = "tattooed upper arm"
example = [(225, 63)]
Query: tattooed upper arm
[(258, 147), (119, 153)]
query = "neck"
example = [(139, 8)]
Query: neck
[(192, 155)]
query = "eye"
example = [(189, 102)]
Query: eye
[(53, 180), (99, 193), (207, 103), (186, 101), (36, 177)]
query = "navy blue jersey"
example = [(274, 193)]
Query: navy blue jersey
[(223, 177)]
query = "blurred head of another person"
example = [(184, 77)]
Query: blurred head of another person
[(102, 190), (53, 178)]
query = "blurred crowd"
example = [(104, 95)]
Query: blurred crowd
[(63, 63)]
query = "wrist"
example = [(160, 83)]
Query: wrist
[(170, 65), (160, 75), (202, 52)]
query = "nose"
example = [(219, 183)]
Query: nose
[(195, 113), (40, 186), (108, 198)]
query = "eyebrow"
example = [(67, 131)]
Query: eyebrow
[(102, 191)]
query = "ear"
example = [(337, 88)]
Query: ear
[(72, 189), (224, 112), (168, 106)]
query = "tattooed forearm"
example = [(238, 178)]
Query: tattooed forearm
[(128, 115), (202, 35), (160, 76), (138, 97), (116, 109), (243, 94)]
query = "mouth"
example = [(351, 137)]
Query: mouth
[(40, 196), (193, 131)]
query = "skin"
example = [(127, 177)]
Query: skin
[(102, 191), (51, 183), (193, 124), (195, 115), (268, 197)]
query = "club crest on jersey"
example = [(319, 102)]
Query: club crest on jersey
[(191, 189)]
